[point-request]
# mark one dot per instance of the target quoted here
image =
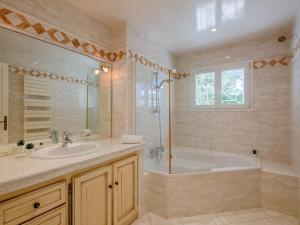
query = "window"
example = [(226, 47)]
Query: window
[(223, 87)]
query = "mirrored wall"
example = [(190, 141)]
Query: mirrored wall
[(46, 87)]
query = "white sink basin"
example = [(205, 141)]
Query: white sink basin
[(72, 150)]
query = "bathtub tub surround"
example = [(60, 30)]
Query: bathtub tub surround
[(47, 184), (218, 187), (191, 194), (242, 217), (210, 182)]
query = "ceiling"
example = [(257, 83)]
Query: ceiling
[(182, 25)]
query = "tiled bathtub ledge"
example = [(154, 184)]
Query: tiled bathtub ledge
[(278, 168), (172, 196), (279, 192)]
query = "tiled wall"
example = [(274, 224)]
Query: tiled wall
[(295, 106), (16, 107), (265, 128), (125, 75)]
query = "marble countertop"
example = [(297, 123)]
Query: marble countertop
[(17, 172)]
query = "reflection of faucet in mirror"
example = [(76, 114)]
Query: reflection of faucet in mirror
[(54, 136), (66, 139)]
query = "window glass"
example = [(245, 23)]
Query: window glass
[(233, 87), (205, 89)]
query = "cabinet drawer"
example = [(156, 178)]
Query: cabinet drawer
[(32, 204), (54, 217)]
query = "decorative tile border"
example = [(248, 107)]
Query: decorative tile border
[(281, 60), (131, 54), (14, 20), (52, 76), (295, 49), (257, 64)]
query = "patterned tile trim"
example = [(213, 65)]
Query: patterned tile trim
[(262, 63), (14, 20), (131, 54), (295, 49), (52, 76)]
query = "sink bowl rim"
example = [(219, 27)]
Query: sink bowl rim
[(42, 153)]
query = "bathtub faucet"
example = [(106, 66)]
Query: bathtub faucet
[(157, 152)]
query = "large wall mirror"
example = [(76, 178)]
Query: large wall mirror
[(45, 87)]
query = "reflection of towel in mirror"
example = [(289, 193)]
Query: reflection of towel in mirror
[(85, 133), (132, 139)]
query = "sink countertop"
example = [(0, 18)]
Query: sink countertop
[(17, 172)]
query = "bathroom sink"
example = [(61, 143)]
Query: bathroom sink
[(72, 150)]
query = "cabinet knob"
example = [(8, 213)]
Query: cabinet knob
[(116, 183), (110, 186), (36, 205)]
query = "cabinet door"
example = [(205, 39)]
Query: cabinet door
[(54, 217), (125, 191), (92, 197)]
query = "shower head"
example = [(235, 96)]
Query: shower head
[(161, 83)]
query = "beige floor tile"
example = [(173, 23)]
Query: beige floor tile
[(206, 222), (142, 220), (273, 213), (285, 220), (259, 222), (254, 214), (157, 220), (227, 218), (198, 218), (257, 216), (176, 221)]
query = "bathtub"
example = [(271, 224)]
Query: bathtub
[(186, 160), (201, 182)]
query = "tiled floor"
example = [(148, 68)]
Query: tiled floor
[(257, 216)]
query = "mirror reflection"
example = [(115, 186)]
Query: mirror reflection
[(47, 90)]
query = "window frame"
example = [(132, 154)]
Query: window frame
[(248, 88)]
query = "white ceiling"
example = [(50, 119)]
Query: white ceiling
[(182, 25)]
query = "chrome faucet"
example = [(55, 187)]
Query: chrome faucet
[(157, 152), (66, 139)]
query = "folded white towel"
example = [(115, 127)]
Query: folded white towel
[(85, 133), (131, 139)]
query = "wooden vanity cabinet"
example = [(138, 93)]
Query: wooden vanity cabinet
[(107, 195), (101, 195)]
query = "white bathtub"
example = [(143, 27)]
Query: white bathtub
[(194, 160)]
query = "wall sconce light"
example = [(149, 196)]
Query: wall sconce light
[(104, 68)]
